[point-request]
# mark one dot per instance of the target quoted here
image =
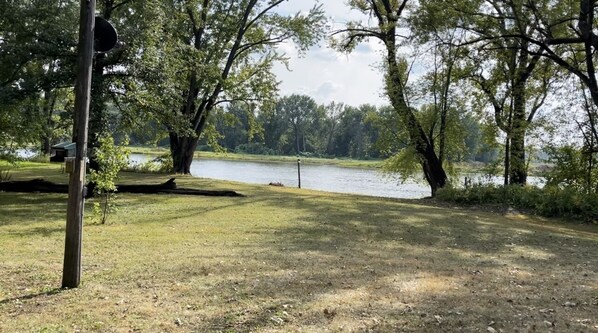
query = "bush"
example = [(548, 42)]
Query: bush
[(111, 160), (9, 156), (161, 164), (39, 158), (550, 201)]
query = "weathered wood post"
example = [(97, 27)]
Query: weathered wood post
[(71, 276)]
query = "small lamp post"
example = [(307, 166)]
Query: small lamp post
[(299, 171)]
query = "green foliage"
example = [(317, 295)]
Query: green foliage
[(570, 190), (572, 168), (212, 136), (405, 163), (160, 165), (215, 52), (550, 201), (37, 56), (39, 158), (111, 160)]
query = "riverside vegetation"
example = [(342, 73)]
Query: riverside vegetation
[(290, 260)]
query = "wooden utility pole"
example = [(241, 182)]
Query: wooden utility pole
[(71, 276)]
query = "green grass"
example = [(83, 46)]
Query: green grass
[(290, 260)]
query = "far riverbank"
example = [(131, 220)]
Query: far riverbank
[(377, 164)]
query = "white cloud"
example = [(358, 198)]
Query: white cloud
[(327, 75)]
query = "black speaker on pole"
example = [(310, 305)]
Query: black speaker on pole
[(105, 36)]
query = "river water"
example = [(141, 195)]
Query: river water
[(316, 177)]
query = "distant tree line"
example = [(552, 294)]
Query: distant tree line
[(297, 125)]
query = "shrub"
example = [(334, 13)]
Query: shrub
[(111, 160), (550, 201), (39, 158), (161, 164)]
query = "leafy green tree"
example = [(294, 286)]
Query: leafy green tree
[(221, 51), (355, 134), (276, 130), (564, 33), (119, 75), (388, 16), (238, 126), (509, 71), (300, 111), (333, 113), (441, 87), (37, 42)]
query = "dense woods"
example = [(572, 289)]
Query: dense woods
[(488, 81)]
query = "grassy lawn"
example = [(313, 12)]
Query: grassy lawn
[(290, 260)]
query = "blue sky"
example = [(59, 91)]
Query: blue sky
[(327, 75)]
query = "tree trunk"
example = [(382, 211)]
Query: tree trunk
[(444, 110), (44, 186), (431, 164), (297, 142), (433, 170), (518, 170), (507, 164), (46, 147), (48, 110), (182, 149), (329, 147)]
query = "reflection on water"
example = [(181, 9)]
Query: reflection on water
[(316, 177)]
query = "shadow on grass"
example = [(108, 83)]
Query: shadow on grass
[(39, 231), (16, 208), (344, 264), (404, 267), (51, 292)]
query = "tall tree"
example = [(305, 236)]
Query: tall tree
[(509, 71), (333, 113), (237, 125), (224, 51), (355, 134), (37, 42), (300, 112), (565, 33), (388, 15), (115, 73)]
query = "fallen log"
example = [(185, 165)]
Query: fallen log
[(168, 187), (34, 185)]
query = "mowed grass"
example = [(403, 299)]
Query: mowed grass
[(289, 260)]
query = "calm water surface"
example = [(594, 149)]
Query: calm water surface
[(316, 177)]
